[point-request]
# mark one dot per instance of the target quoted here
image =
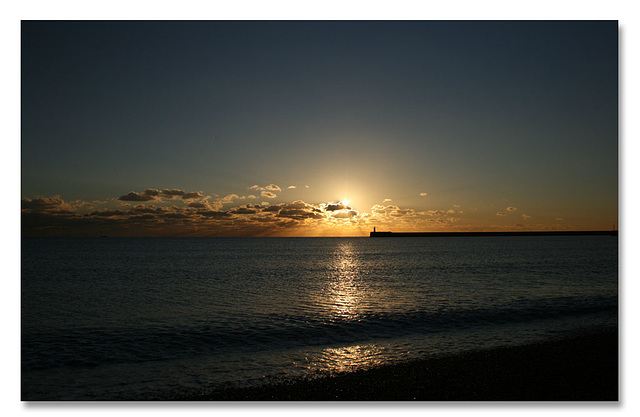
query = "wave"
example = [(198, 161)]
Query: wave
[(90, 347)]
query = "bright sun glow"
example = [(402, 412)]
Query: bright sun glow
[(345, 202)]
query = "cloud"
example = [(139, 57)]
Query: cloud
[(244, 210), (390, 211), (291, 187), (216, 214), (401, 212), (142, 209), (298, 214), (193, 195), (526, 216), (146, 195), (153, 194), (46, 204), (174, 212), (297, 210), (337, 206), (306, 186), (270, 187), (423, 194), (108, 213), (345, 214), (228, 199), (380, 209), (500, 214), (200, 205), (169, 194), (512, 208), (46, 217)]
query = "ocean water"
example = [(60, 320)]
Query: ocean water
[(145, 318)]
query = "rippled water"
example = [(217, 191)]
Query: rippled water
[(145, 318)]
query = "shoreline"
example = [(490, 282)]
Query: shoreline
[(580, 368)]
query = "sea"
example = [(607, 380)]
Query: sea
[(172, 318)]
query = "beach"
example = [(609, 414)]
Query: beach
[(580, 368)]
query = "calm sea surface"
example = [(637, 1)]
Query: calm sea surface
[(143, 318)]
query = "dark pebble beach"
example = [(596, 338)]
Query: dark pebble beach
[(581, 368)]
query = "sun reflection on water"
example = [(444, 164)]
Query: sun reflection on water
[(346, 290), (346, 296), (347, 359)]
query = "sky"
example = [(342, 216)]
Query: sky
[(317, 128)]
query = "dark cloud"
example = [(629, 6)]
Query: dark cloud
[(268, 194), (108, 213), (512, 208), (273, 208), (299, 210), (243, 210), (337, 206), (53, 217), (213, 214), (298, 214), (46, 204), (147, 195), (143, 217), (180, 215), (151, 194), (171, 193), (140, 209), (190, 196)]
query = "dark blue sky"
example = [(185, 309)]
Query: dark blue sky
[(481, 115)]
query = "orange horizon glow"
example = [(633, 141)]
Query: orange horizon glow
[(178, 213)]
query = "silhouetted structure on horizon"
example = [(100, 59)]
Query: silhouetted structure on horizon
[(454, 234)]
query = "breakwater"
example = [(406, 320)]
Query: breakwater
[(521, 233)]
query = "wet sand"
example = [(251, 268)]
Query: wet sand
[(582, 368)]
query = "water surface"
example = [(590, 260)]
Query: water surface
[(140, 318)]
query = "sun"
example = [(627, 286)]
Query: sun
[(345, 201)]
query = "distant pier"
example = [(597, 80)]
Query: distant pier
[(460, 234)]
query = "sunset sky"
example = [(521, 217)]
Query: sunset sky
[(318, 128)]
